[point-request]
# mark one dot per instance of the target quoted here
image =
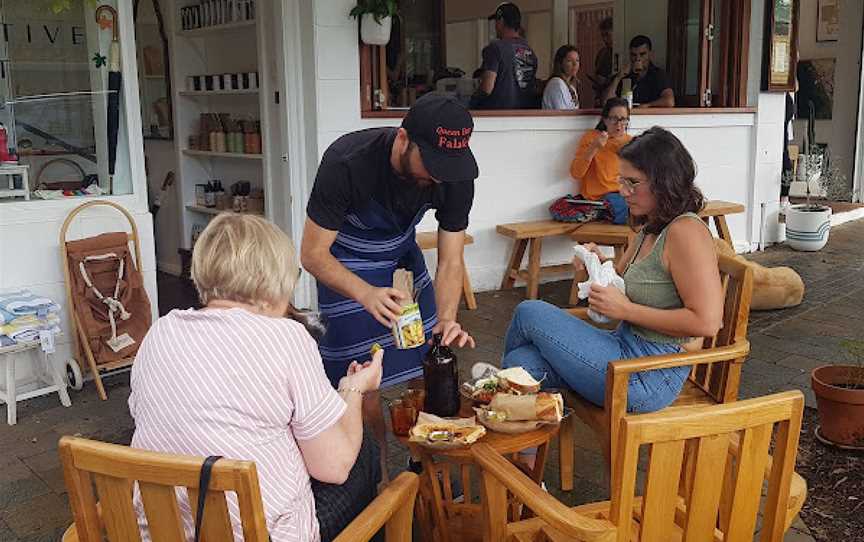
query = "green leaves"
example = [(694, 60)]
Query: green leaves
[(378, 8), (59, 6)]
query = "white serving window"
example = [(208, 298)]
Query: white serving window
[(62, 108)]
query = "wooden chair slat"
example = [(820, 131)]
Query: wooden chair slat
[(661, 490), (82, 499), (752, 459), (778, 502), (703, 499), (163, 514), (119, 518), (216, 525), (466, 482), (494, 509)]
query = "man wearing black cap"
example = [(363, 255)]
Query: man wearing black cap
[(509, 65), (373, 187)]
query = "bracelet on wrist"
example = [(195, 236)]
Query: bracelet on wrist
[(352, 388)]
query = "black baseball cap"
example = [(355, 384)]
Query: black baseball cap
[(441, 127), (509, 13)]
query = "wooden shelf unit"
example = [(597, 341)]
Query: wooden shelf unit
[(205, 51), (216, 29), (208, 93), (230, 155)]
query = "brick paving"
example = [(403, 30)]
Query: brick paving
[(786, 345)]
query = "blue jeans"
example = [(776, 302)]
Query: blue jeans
[(570, 353), (619, 208)]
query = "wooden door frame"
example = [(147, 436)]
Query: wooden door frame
[(734, 42)]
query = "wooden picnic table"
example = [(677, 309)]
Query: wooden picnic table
[(528, 236)]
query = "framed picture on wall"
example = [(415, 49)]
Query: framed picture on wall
[(828, 20), (781, 45)]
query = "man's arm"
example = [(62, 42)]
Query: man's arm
[(666, 99), (315, 256), (448, 276), (448, 286), (487, 82), (612, 90)]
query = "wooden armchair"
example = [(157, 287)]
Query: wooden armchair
[(688, 495), (114, 469), (714, 377)]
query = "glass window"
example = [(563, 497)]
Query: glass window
[(61, 103), (695, 48)]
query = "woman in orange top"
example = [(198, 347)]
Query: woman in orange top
[(596, 161)]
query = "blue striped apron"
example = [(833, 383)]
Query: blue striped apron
[(372, 244)]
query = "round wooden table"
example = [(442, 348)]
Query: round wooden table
[(443, 519)]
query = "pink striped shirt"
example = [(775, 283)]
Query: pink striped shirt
[(244, 386)]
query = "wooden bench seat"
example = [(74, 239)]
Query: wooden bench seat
[(528, 236), (428, 240)]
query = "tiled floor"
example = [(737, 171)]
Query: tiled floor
[(786, 345)]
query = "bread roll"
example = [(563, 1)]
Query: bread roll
[(518, 380)]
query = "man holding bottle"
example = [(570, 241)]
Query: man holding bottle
[(372, 189)]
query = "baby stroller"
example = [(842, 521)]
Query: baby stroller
[(105, 294)]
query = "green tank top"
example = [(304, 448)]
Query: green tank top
[(649, 283)]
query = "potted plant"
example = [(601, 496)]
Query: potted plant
[(376, 19), (808, 224), (839, 391)]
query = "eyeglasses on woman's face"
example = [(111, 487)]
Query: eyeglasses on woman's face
[(613, 119), (630, 184)]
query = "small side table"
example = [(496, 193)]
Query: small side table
[(7, 189), (45, 372), (442, 518)]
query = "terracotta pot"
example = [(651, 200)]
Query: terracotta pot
[(841, 410)]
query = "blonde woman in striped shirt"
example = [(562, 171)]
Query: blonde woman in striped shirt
[(240, 380)]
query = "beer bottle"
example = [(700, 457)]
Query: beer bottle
[(441, 378)]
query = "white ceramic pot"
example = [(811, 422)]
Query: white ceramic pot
[(807, 228), (374, 33)]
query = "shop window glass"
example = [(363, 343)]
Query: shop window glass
[(436, 45), (56, 97)]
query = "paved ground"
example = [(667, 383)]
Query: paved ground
[(786, 346)]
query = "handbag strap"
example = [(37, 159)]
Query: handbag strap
[(203, 484)]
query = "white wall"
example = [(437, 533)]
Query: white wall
[(647, 17), (839, 131), (844, 122), (808, 47), (524, 160)]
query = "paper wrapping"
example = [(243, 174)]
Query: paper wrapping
[(424, 420), (540, 406), (602, 274)]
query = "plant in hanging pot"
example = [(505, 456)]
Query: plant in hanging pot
[(839, 391), (376, 19)]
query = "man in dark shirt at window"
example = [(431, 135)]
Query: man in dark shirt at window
[(372, 188), (509, 65), (650, 84), (602, 63)]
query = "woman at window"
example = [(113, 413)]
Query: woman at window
[(240, 380), (560, 92), (674, 295), (596, 164)]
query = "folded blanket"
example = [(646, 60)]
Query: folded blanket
[(6, 317), (24, 302), (27, 328)]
